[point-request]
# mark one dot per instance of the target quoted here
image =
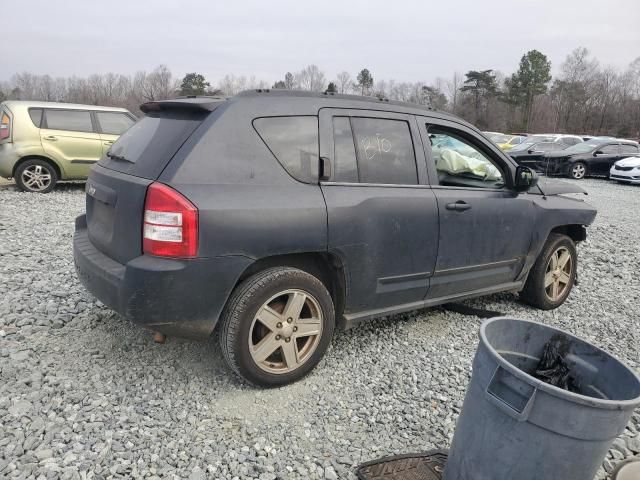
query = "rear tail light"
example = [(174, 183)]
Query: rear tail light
[(5, 126), (170, 226)]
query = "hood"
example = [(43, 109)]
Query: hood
[(554, 187), (629, 162)]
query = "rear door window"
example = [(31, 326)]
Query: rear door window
[(384, 150), (114, 123), (146, 148), (36, 116), (71, 120), (294, 143), (625, 148)]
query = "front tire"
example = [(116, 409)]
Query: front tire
[(578, 171), (277, 326), (553, 275), (36, 176)]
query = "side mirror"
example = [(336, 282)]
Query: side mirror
[(525, 179), (598, 152)]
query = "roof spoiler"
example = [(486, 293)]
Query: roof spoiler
[(206, 104)]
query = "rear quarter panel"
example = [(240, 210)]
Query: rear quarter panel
[(248, 204)]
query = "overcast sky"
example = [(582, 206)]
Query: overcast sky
[(403, 40)]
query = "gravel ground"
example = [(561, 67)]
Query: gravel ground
[(85, 394)]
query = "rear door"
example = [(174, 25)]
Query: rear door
[(604, 158), (111, 125), (70, 137), (382, 214), (485, 227)]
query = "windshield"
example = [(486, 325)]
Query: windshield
[(581, 147)]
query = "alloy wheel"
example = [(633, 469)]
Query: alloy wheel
[(557, 278), (578, 171), (36, 178), (286, 331)]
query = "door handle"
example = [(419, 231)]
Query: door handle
[(459, 206), (51, 138), (108, 142)]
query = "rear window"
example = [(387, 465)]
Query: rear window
[(72, 120), (36, 116), (114, 123), (146, 148), (294, 142)]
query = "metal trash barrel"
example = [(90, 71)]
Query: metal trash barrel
[(516, 427)]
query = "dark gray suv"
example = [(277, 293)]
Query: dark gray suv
[(280, 215)]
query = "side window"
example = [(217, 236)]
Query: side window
[(460, 163), (114, 123), (610, 149), (570, 141), (344, 152), (74, 120), (549, 146), (294, 142), (36, 116), (626, 148), (385, 151)]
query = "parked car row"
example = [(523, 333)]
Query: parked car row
[(576, 156)]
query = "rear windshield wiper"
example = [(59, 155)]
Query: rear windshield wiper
[(113, 156)]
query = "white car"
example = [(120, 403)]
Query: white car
[(626, 170)]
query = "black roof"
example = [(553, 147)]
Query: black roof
[(332, 100)]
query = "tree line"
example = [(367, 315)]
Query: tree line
[(584, 97)]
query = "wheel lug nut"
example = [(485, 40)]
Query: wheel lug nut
[(295, 329), (279, 325), (278, 337), (288, 339), (289, 320)]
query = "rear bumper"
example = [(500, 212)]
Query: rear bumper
[(176, 297)]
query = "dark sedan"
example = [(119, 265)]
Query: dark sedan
[(592, 158), (529, 153)]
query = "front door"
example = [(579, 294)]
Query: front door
[(485, 227), (604, 158), (68, 136), (382, 214)]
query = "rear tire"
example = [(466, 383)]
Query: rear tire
[(553, 275), (36, 176), (578, 171), (277, 326)]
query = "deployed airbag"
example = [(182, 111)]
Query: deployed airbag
[(454, 163)]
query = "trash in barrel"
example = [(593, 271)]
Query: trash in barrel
[(541, 405)]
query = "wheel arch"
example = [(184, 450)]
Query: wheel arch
[(328, 268), (53, 163), (577, 233)]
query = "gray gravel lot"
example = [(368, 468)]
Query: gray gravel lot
[(85, 394)]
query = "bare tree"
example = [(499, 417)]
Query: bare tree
[(311, 78), (344, 82)]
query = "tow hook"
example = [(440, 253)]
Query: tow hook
[(159, 337)]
